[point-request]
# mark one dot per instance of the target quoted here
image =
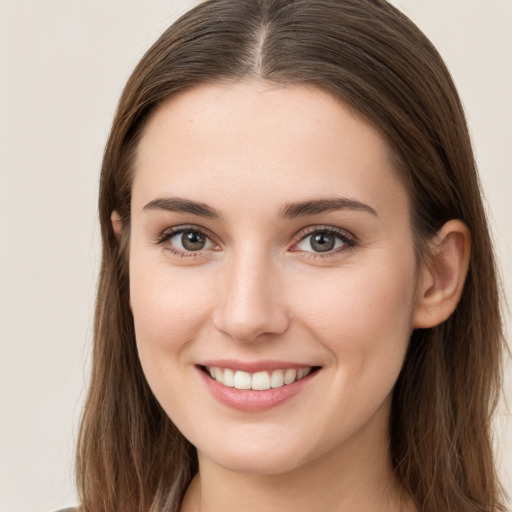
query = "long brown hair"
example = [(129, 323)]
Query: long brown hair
[(130, 455)]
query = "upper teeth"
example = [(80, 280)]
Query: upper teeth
[(258, 381)]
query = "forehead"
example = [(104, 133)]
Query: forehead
[(253, 140)]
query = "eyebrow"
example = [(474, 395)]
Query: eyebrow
[(316, 206), (289, 211), (178, 204)]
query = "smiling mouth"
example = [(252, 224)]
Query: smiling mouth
[(258, 381)]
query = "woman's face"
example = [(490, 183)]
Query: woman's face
[(270, 237)]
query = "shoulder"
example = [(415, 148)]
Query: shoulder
[(71, 509)]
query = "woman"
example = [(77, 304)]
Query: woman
[(298, 306)]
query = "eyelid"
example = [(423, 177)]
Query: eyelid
[(349, 240), (170, 232)]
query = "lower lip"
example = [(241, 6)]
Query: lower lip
[(254, 401)]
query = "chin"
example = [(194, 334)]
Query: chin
[(260, 465), (258, 457)]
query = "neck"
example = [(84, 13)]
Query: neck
[(353, 477)]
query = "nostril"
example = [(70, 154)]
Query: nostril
[(251, 302), (247, 324)]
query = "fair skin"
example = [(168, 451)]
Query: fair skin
[(269, 232)]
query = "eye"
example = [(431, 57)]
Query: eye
[(323, 240), (186, 240)]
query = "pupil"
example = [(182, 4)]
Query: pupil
[(192, 241), (322, 242)]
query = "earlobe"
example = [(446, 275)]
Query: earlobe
[(117, 224), (443, 275)]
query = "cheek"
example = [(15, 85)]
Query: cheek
[(366, 326), (168, 313), (359, 301), (166, 305), (364, 318)]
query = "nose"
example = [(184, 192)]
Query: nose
[(251, 304)]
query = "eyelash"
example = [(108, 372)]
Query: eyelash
[(172, 232), (348, 240)]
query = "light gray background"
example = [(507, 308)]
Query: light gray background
[(62, 66)]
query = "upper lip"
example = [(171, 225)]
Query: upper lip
[(255, 366)]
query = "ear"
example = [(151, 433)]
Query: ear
[(442, 275), (117, 224)]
